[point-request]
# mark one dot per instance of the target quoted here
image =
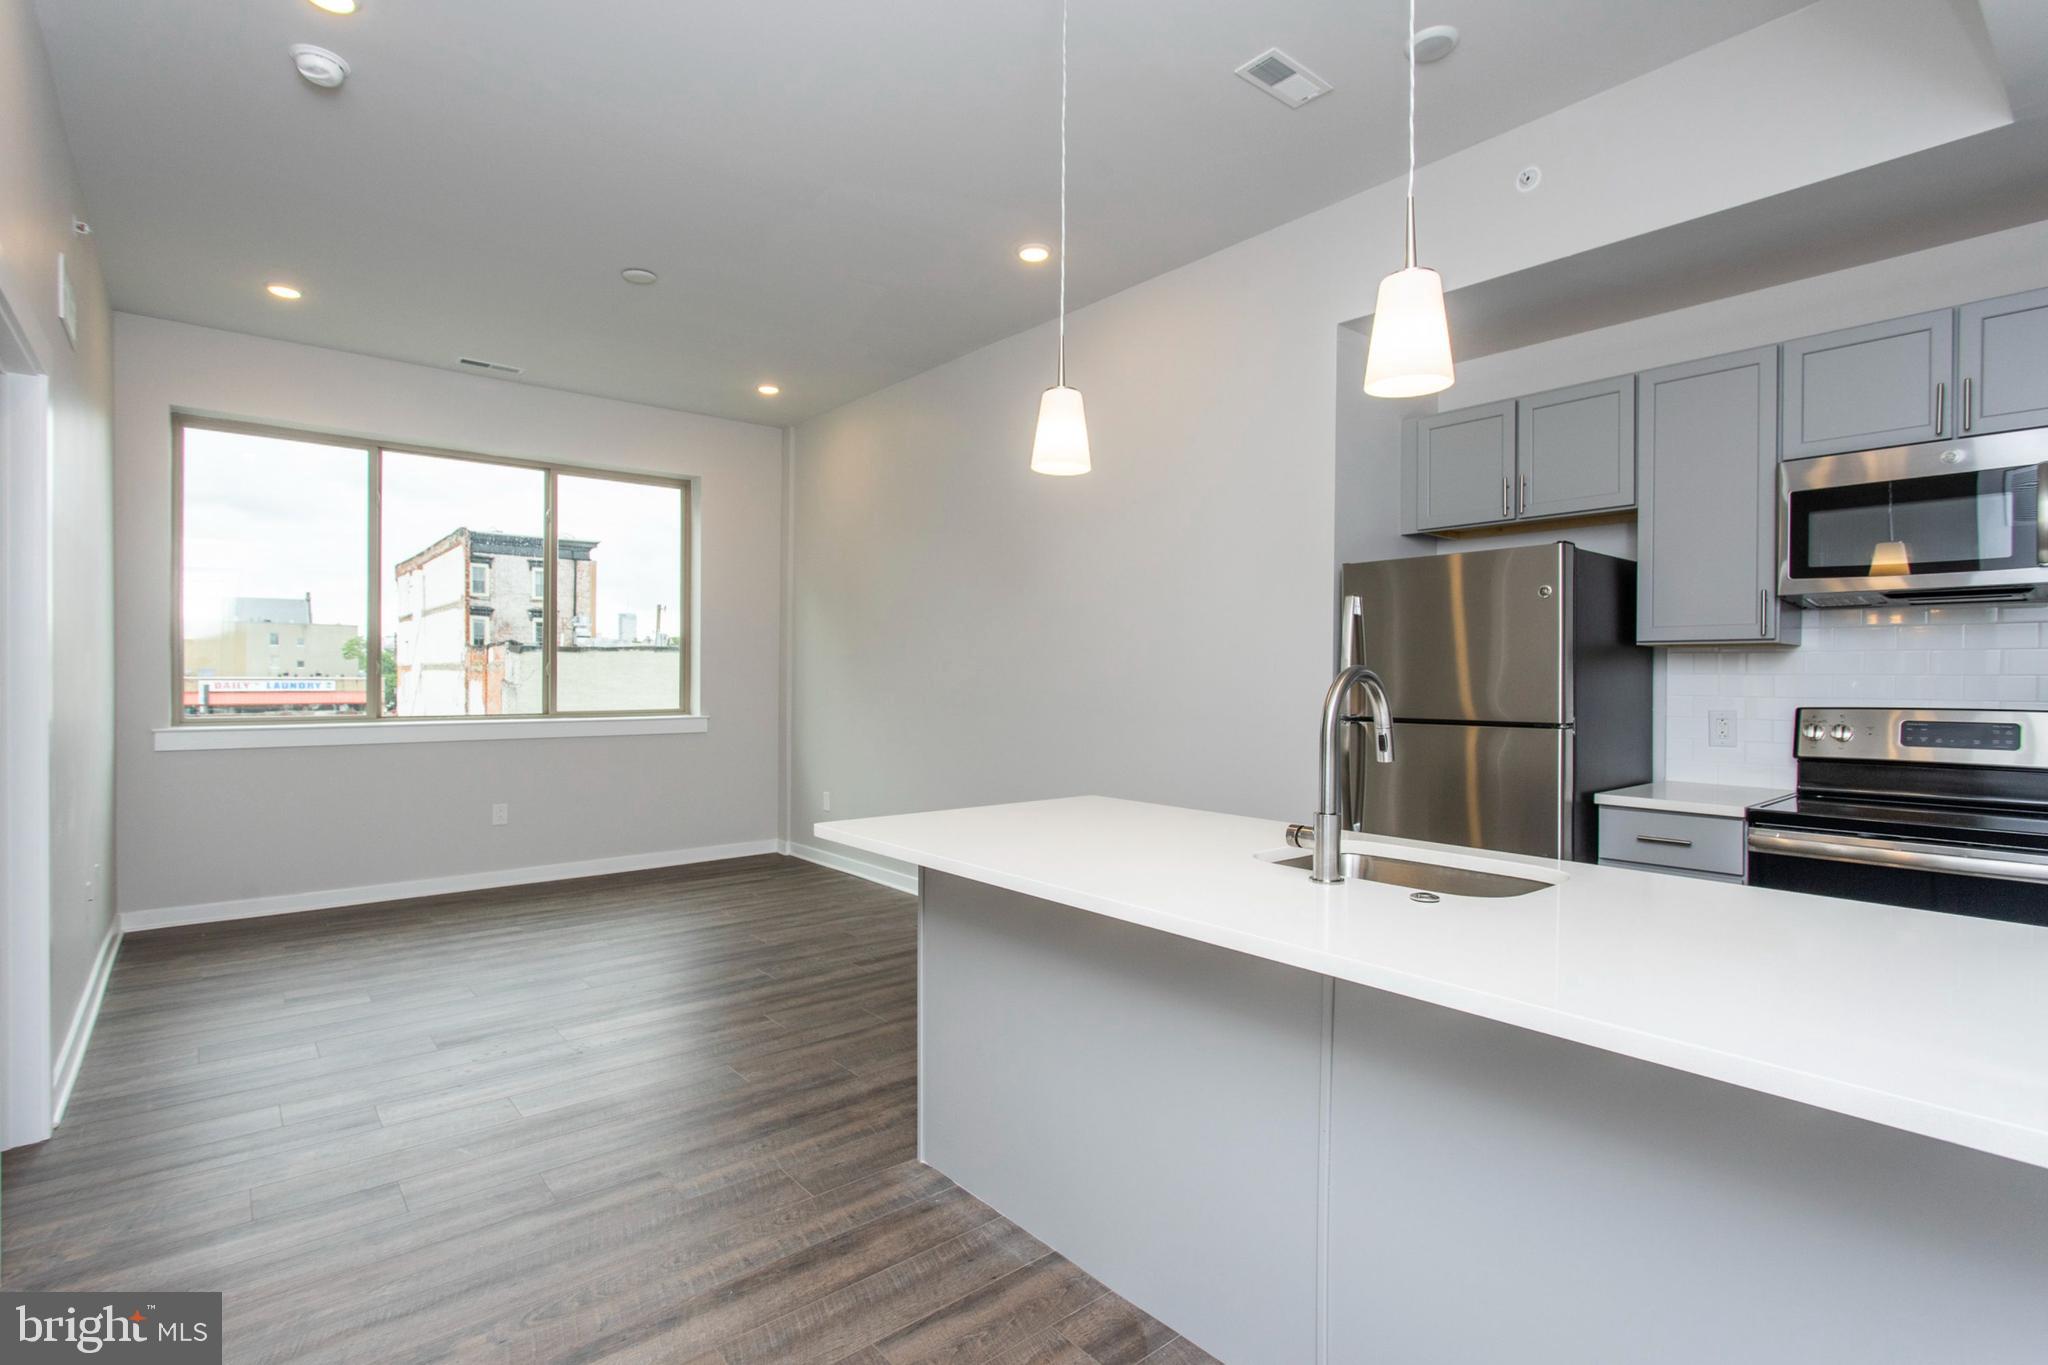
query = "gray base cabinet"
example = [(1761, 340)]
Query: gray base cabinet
[(2002, 363), (1882, 384), (1706, 540), (1576, 449), (1290, 1169), (1458, 468)]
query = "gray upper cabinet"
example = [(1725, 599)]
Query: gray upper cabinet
[(2002, 363), (1706, 538), (1576, 448), (1459, 468), (1883, 384)]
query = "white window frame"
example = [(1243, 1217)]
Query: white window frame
[(540, 582), (479, 567), (479, 629)]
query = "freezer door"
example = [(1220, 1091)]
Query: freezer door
[(1500, 787), (1480, 636)]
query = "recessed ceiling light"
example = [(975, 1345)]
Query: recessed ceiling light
[(283, 291), (768, 390), (336, 6), (635, 275), (1034, 253), (1435, 43)]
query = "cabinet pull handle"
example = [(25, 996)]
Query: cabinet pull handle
[(1506, 492), (1969, 402), (1663, 839), (1763, 612), (1941, 407), (1525, 492)]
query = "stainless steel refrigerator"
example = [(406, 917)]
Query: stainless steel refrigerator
[(1517, 691)]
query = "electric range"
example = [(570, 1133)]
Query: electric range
[(1937, 809)]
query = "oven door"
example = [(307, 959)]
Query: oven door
[(1990, 883), (1949, 521)]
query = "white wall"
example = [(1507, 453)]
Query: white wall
[(1944, 656), (39, 197), (967, 632), (196, 829)]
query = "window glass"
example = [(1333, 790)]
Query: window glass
[(445, 523), (274, 533), (618, 594)]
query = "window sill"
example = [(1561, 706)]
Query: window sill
[(317, 734)]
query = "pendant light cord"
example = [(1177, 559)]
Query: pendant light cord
[(1063, 192), (1411, 134)]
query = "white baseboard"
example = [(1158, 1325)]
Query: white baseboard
[(135, 921), (896, 878), (72, 1054)]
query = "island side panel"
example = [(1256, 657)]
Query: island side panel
[(1497, 1194), (1147, 1106)]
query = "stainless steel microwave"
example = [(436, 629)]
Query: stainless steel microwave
[(1948, 521)]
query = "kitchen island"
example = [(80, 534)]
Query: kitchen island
[(1624, 1117)]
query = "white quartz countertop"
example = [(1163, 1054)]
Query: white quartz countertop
[(1936, 1024), (1691, 798)]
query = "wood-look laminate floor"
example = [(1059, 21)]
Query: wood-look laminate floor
[(665, 1116)]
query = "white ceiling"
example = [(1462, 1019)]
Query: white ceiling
[(831, 191)]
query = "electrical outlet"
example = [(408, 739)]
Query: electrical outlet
[(828, 801), (1721, 728), (501, 813)]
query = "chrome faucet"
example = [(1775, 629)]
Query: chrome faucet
[(1327, 865)]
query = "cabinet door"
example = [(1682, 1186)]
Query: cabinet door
[(1576, 448), (1706, 537), (1884, 384), (1460, 467), (2002, 363)]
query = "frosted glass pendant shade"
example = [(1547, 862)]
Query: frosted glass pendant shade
[(1889, 559), (1410, 352), (1061, 446)]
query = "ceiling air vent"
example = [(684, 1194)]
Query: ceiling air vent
[(1282, 77), (486, 366)]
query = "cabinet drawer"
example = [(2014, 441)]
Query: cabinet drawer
[(1691, 843)]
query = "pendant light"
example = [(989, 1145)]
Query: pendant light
[(1061, 445), (1410, 351)]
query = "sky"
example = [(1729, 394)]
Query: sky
[(274, 517)]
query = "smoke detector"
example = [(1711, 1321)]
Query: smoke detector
[(1435, 43), (319, 66), (1282, 77)]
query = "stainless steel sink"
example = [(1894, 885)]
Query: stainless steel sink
[(1445, 881)]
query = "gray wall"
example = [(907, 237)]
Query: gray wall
[(202, 828), (38, 199), (967, 632)]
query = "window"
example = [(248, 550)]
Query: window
[(272, 533), (378, 561), (618, 591), (442, 519)]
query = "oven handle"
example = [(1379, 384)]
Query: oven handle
[(1857, 848)]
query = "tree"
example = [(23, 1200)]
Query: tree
[(357, 650)]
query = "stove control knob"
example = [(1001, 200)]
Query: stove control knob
[(1814, 730), (1842, 734)]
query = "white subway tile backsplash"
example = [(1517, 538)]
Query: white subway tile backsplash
[(2002, 635), (1908, 656)]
